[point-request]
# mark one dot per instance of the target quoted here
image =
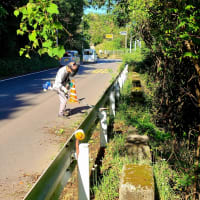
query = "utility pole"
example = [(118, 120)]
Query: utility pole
[(126, 41), (125, 34), (130, 42)]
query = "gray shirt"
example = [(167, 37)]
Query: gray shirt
[(62, 79)]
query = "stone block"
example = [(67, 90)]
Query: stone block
[(139, 139), (137, 148), (136, 183)]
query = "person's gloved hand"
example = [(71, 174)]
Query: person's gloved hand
[(65, 90), (70, 84)]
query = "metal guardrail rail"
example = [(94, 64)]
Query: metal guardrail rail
[(51, 183)]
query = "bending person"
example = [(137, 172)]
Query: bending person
[(62, 85)]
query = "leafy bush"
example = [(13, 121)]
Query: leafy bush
[(137, 60), (20, 65)]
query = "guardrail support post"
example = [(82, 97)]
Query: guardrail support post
[(112, 103), (104, 127), (83, 172), (126, 72), (123, 76), (120, 81), (117, 90)]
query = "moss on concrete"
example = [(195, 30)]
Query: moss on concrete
[(138, 175)]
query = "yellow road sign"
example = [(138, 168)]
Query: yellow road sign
[(109, 36)]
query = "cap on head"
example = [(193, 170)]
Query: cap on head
[(74, 68)]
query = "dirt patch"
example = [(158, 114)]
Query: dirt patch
[(16, 188), (19, 186), (24, 182)]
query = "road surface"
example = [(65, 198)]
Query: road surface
[(28, 117)]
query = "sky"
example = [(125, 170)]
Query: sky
[(93, 10)]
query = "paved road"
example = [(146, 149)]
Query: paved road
[(27, 116)]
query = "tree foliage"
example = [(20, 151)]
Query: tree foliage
[(71, 17), (50, 25), (98, 26), (40, 23), (8, 25), (121, 13), (3, 14), (170, 30)]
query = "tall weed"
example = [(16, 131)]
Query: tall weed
[(111, 169), (164, 175)]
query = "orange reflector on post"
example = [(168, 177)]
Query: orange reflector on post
[(79, 134)]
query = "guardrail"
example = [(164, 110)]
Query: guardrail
[(51, 183)]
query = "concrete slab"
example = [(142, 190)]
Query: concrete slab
[(137, 183)]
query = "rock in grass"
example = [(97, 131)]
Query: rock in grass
[(137, 139)]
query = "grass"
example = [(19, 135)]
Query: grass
[(168, 180), (108, 186), (163, 176), (171, 181)]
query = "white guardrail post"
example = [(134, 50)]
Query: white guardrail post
[(104, 127), (83, 172), (112, 103), (123, 76), (117, 90), (126, 71), (120, 81)]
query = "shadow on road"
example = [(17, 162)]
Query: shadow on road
[(17, 93), (81, 109), (109, 60)]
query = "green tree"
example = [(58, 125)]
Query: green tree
[(39, 22), (3, 14), (71, 16), (50, 26), (171, 31), (8, 25), (98, 26), (121, 13)]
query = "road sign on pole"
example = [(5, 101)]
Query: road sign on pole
[(109, 36), (123, 33)]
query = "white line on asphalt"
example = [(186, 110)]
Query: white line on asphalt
[(25, 75)]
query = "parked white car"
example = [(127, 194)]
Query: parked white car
[(89, 55), (69, 56)]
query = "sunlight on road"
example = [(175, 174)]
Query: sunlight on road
[(100, 71)]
